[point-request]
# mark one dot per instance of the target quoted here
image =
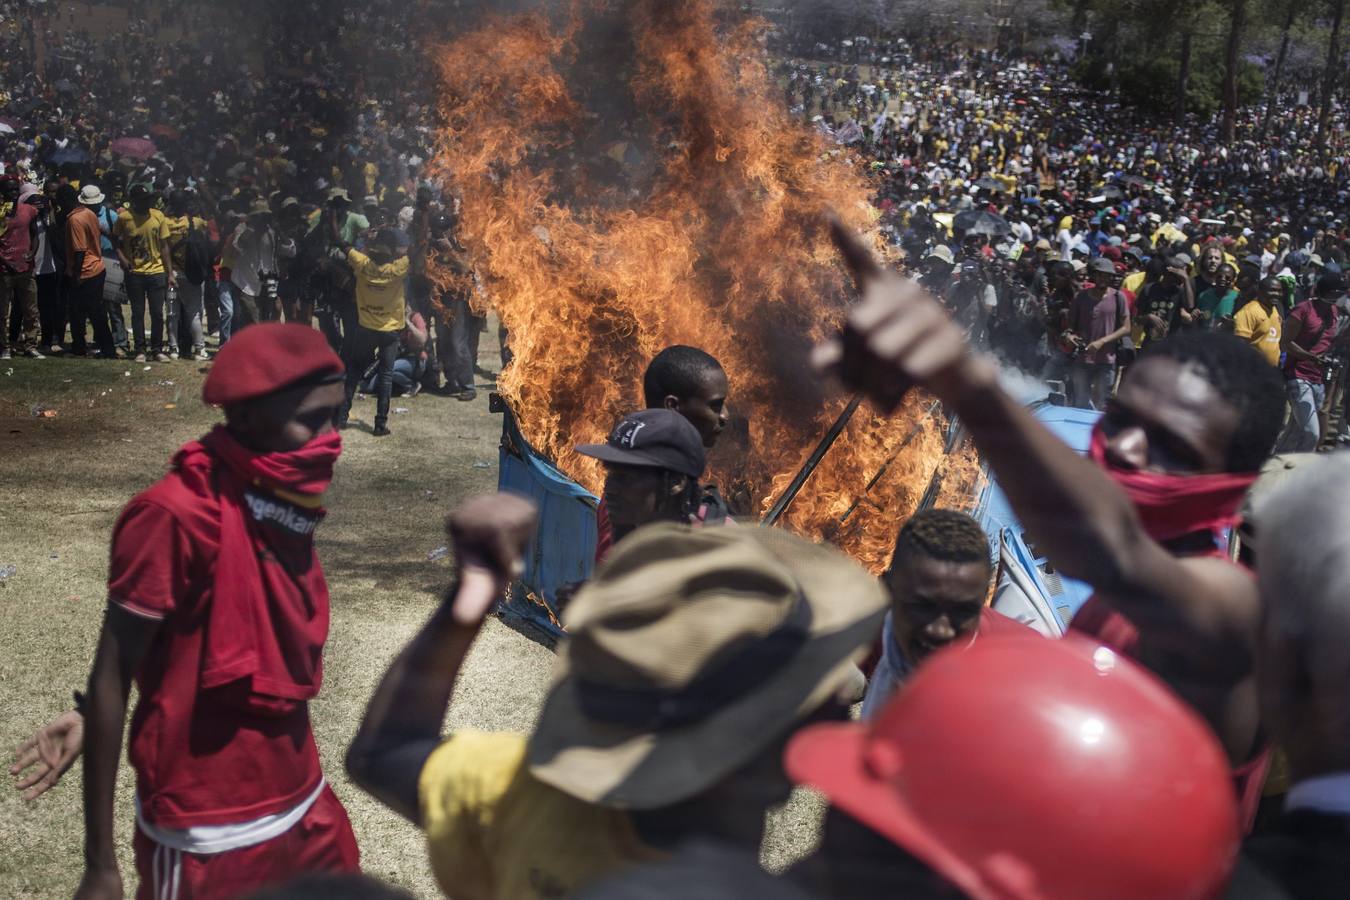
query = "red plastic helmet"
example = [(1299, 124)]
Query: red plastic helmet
[(1053, 770)]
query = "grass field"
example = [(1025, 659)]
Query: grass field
[(116, 425)]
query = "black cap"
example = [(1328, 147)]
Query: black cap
[(655, 438), (1331, 286)]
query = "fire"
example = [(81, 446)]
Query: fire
[(629, 181)]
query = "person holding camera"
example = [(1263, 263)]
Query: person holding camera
[(1098, 319), (1309, 332), (258, 250)]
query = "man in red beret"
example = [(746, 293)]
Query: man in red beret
[(218, 611)]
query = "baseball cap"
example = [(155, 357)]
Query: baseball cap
[(1331, 286), (653, 438)]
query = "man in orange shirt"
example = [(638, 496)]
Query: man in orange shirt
[(86, 274)]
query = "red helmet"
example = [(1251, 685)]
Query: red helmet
[(1053, 770)]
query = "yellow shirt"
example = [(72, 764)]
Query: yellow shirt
[(178, 231), (1132, 282), (495, 832), (143, 239), (1260, 329), (379, 291)]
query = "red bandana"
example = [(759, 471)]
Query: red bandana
[(268, 620), (1172, 506)]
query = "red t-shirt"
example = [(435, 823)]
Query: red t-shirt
[(198, 759), (16, 239), (1316, 333)]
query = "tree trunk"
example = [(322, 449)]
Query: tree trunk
[(1274, 89), (1237, 23), (1330, 75), (1184, 73)]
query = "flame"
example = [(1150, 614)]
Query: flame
[(630, 180)]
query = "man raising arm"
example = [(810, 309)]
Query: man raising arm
[(1172, 460)]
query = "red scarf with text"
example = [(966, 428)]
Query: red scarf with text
[(268, 619), (1173, 506)]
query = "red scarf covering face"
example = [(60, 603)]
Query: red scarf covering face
[(1173, 506), (268, 619)]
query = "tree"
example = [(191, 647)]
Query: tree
[(1237, 22), (1291, 9), (1184, 69), (1331, 73)]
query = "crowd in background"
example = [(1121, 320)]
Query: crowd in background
[(287, 155), (1014, 193)]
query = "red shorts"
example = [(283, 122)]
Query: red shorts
[(320, 842)]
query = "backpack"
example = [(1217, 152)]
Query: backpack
[(198, 255)]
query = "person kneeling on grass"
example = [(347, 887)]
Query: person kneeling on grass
[(689, 660)]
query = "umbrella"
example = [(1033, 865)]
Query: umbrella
[(65, 86), (980, 221), (989, 184), (1112, 192), (1136, 181), (6, 128), (168, 132), (133, 147), (71, 154)]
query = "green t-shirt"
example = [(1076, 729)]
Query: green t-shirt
[(1219, 306)]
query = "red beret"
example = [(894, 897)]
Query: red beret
[(265, 358)]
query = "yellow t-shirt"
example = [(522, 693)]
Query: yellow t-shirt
[(379, 291), (1132, 282), (178, 230), (142, 239), (1261, 329), (495, 832)]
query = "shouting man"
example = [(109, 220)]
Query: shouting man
[(1141, 520)]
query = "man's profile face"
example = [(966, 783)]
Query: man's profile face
[(934, 603), (706, 408), (1167, 418)]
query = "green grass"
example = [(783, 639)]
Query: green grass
[(117, 424)]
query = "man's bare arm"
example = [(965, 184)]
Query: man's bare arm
[(121, 648), (402, 724), (1084, 523)]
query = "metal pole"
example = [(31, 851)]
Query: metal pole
[(909, 439), (813, 460)]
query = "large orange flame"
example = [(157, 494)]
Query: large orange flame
[(629, 181)]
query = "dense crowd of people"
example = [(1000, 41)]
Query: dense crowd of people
[(277, 189), (1183, 740), (1066, 232)]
